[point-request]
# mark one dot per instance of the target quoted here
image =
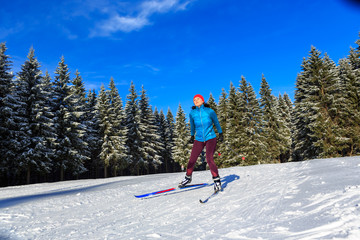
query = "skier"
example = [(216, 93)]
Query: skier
[(202, 118)]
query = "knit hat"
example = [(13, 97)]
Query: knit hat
[(199, 96)]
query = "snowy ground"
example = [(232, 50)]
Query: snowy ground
[(318, 199)]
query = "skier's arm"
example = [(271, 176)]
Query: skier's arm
[(215, 121), (192, 126)]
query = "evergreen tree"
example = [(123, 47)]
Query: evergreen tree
[(222, 117), (303, 148), (34, 118), (233, 129), (118, 130), (78, 88), (150, 142), (170, 142), (33, 123), (270, 128), (212, 104), (325, 124), (102, 110), (69, 142), (51, 131), (79, 108), (315, 112), (182, 136), (285, 119), (7, 102), (135, 130), (349, 105), (252, 146), (92, 138), (354, 56), (160, 123)]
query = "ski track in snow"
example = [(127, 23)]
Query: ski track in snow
[(317, 199)]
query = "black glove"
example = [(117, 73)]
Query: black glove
[(221, 137), (191, 141)]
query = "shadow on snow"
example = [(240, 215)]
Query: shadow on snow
[(8, 202), (224, 182)]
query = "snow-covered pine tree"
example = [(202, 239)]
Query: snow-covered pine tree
[(222, 117), (354, 57), (349, 106), (253, 148), (270, 129), (285, 118), (212, 104), (302, 141), (346, 104), (316, 85), (7, 102), (160, 123), (181, 151), (244, 122), (93, 134), (69, 142), (78, 93), (33, 123), (353, 87), (170, 141), (150, 142), (50, 131), (233, 129), (135, 130), (302, 136), (102, 108), (326, 92), (119, 131)]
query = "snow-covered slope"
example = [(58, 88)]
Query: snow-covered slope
[(318, 199)]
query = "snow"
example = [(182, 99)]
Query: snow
[(317, 199)]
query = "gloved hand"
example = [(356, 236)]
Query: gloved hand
[(191, 141), (221, 137)]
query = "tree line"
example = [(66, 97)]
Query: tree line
[(53, 129)]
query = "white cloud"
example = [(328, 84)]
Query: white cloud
[(147, 67), (119, 23), (135, 21), (151, 7)]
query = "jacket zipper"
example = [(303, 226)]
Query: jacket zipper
[(202, 125)]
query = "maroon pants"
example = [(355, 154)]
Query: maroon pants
[(197, 149)]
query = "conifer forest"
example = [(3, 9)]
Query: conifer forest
[(53, 129)]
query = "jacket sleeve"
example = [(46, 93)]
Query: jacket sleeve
[(215, 121), (192, 125)]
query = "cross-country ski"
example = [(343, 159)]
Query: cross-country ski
[(205, 200), (165, 191)]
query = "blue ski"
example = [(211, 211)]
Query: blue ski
[(170, 190)]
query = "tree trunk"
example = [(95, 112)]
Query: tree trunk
[(28, 175), (61, 173), (105, 171)]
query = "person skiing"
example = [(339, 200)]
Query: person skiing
[(202, 118)]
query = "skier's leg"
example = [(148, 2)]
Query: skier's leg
[(210, 150), (195, 152)]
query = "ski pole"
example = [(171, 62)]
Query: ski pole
[(238, 155)]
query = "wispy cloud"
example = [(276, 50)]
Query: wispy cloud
[(147, 67), (120, 22)]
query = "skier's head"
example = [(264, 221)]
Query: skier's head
[(198, 100)]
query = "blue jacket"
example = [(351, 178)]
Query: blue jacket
[(201, 122)]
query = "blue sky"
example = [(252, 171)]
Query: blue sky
[(179, 48)]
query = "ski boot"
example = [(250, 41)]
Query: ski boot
[(217, 184), (184, 182)]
